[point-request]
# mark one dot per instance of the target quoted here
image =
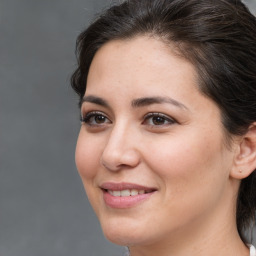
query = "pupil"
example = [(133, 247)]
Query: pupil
[(158, 120), (99, 119)]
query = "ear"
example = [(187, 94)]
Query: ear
[(245, 159)]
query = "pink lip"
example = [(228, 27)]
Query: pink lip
[(127, 201), (124, 185)]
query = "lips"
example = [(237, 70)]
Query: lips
[(123, 186), (125, 195)]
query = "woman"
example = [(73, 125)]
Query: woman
[(167, 147)]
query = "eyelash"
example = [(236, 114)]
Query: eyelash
[(87, 119)]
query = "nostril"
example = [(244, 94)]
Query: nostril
[(110, 165)]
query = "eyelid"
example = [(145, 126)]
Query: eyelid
[(90, 113)]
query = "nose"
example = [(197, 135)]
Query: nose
[(121, 150)]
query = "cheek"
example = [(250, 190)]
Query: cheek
[(87, 156), (191, 177), (188, 166), (88, 163)]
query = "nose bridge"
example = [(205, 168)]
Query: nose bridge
[(121, 148), (119, 134)]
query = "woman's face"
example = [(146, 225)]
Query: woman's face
[(151, 150)]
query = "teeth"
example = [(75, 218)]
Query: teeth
[(116, 193), (126, 192), (134, 192)]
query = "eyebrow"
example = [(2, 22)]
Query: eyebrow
[(140, 102), (95, 100)]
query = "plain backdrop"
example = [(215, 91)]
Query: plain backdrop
[(43, 207)]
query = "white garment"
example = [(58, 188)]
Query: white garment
[(252, 250)]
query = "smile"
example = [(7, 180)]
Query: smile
[(125, 195), (127, 192)]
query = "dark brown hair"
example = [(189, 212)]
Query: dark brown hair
[(217, 36)]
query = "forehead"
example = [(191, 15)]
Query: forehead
[(139, 62)]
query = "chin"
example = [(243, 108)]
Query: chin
[(122, 240), (120, 237), (123, 233)]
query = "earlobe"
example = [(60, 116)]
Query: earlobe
[(245, 159)]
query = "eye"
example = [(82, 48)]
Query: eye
[(95, 118), (158, 119)]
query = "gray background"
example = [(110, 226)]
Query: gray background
[(43, 207)]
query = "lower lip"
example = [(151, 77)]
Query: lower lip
[(125, 201)]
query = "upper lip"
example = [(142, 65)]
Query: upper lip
[(123, 186)]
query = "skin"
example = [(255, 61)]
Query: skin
[(182, 155)]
